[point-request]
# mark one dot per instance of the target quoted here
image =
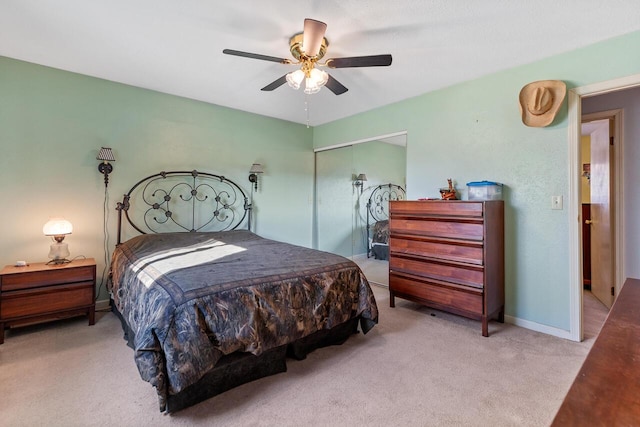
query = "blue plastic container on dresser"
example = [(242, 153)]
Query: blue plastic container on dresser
[(484, 190)]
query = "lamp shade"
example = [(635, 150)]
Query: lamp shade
[(57, 227), (256, 168), (295, 78), (106, 154), (362, 177)]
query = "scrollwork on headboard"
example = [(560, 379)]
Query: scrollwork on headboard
[(180, 201), (378, 203), (378, 207)]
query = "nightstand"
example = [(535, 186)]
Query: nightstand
[(42, 292)]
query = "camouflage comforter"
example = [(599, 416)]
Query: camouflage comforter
[(190, 298)]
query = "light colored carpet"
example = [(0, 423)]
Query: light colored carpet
[(594, 313), (376, 270), (417, 367)]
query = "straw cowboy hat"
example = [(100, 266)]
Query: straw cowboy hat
[(540, 101)]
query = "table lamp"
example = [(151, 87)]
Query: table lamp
[(57, 228)]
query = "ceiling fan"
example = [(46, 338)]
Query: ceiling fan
[(308, 48)]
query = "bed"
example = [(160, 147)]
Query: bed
[(378, 218), (207, 304)]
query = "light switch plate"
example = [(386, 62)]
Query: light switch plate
[(556, 202)]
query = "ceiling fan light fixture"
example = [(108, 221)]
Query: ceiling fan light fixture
[(295, 78), (311, 87), (317, 79)]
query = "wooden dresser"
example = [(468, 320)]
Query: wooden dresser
[(449, 255), (606, 390)]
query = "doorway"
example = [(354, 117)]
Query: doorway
[(575, 96), (597, 150), (598, 146)]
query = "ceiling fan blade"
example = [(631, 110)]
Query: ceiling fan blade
[(360, 61), (312, 36), (256, 56), (275, 84), (335, 86)]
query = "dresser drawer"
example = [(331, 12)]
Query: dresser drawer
[(50, 276), (451, 298), (467, 275), (32, 302), (437, 208), (437, 228), (471, 253)]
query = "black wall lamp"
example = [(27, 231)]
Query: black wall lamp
[(105, 168), (360, 179), (256, 169)]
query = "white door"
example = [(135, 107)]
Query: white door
[(602, 281)]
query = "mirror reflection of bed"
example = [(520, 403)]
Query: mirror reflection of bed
[(375, 262), (341, 204)]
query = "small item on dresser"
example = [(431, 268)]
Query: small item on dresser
[(484, 190), (21, 263), (448, 193)]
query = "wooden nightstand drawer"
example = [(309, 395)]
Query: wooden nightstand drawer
[(52, 276), (41, 292), (33, 302)]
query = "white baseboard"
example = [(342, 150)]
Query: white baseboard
[(538, 327)]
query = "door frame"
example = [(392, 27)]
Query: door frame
[(574, 114)]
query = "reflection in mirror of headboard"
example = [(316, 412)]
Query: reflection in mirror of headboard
[(378, 212), (180, 201)]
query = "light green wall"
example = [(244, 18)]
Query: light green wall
[(52, 124), (472, 131)]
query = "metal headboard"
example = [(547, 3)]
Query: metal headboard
[(378, 204), (179, 201)]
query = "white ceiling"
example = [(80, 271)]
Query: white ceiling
[(176, 46)]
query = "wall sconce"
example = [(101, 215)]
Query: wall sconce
[(57, 228), (105, 168), (360, 179), (256, 169)]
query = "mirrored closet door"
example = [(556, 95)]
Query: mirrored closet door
[(346, 177)]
